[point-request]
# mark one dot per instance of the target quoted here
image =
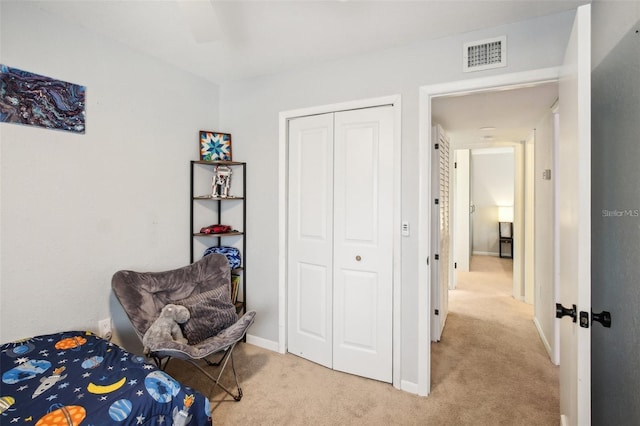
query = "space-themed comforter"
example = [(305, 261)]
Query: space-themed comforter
[(78, 378)]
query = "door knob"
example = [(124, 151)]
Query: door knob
[(358, 258), (603, 318), (561, 311)]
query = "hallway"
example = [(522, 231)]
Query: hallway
[(491, 355)]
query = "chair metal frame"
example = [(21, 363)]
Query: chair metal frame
[(226, 356)]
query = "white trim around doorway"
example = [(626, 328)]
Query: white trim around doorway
[(426, 93)]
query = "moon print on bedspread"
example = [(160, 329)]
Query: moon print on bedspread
[(36, 100), (103, 389)]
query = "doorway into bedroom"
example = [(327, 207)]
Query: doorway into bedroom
[(491, 174)]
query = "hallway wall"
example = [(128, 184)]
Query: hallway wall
[(545, 225), (492, 185)]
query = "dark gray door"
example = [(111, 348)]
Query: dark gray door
[(615, 351)]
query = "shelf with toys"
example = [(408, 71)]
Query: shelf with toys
[(218, 218)]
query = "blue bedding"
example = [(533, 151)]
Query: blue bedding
[(76, 377)]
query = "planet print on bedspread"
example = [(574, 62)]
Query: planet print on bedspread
[(120, 410), (70, 415), (161, 386), (77, 378), (27, 370)]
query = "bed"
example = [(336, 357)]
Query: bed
[(76, 377)]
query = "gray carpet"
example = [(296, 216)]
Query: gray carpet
[(489, 369)]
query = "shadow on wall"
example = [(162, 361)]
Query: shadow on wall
[(123, 332)]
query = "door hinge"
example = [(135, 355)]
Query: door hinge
[(455, 165), (437, 256), (455, 265), (437, 312), (437, 201), (437, 146)]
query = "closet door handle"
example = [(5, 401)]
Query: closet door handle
[(358, 258)]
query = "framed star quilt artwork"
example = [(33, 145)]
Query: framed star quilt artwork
[(215, 146)]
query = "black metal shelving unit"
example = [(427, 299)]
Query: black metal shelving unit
[(241, 305)]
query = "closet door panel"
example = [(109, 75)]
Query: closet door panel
[(363, 246), (310, 240)]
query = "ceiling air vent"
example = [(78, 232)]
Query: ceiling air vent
[(485, 54)]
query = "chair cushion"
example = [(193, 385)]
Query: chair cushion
[(219, 342), (211, 312), (144, 294)]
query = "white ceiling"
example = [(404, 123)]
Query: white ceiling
[(230, 40), (512, 113), (224, 41)]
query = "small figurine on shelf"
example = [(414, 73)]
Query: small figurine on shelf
[(221, 182)]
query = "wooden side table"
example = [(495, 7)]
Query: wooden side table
[(505, 230)]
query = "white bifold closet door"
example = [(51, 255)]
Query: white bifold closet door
[(340, 247)]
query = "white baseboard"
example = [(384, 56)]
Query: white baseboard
[(544, 339), (405, 385), (563, 420), (486, 253), (409, 387), (262, 343)]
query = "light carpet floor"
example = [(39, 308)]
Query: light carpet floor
[(490, 368)]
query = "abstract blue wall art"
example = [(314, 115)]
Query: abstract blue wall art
[(36, 100)]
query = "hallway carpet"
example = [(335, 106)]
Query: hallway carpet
[(490, 368)]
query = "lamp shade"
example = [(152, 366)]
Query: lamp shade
[(505, 213)]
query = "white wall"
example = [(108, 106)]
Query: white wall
[(614, 20), (529, 218), (544, 207), (492, 185), (77, 208), (250, 108)]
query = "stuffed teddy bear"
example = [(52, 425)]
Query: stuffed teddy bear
[(166, 327)]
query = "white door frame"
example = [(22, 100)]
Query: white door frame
[(284, 116), (426, 93)]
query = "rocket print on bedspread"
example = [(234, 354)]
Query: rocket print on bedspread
[(77, 377)]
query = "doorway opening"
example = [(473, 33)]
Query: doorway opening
[(428, 96)]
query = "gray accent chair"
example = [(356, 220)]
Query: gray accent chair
[(144, 294)]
